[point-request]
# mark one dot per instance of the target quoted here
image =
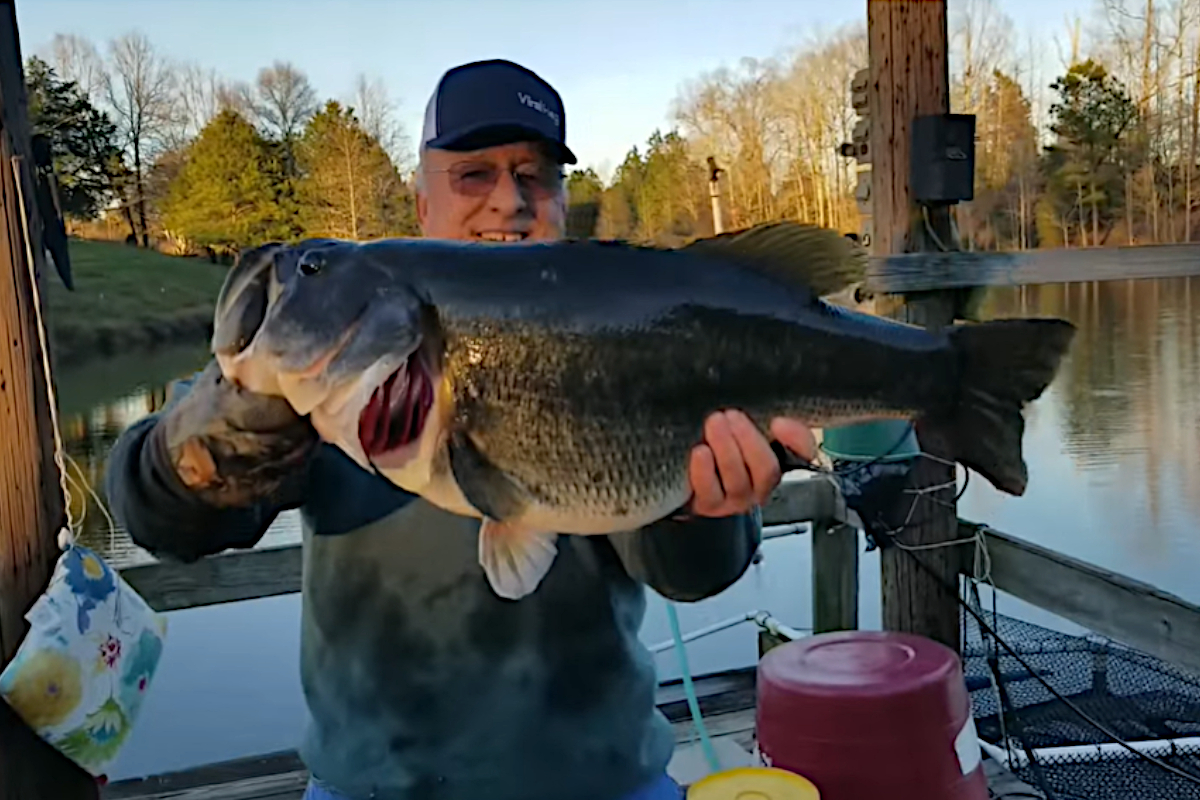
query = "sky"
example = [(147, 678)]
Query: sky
[(618, 64)]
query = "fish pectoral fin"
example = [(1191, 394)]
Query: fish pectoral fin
[(488, 488), (515, 558), (793, 253)]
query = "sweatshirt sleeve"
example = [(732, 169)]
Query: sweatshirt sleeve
[(162, 516), (691, 560)]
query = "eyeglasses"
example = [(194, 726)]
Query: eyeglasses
[(479, 179)]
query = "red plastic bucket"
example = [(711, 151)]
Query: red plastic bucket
[(865, 714)]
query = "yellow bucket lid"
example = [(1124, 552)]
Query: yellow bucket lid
[(753, 783)]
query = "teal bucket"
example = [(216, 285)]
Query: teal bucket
[(870, 441)]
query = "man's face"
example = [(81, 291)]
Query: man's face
[(511, 192)]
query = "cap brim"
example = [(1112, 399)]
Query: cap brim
[(493, 134)]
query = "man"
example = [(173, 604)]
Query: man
[(420, 680)]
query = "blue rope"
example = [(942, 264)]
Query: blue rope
[(693, 703)]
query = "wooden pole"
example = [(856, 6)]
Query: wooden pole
[(714, 195), (31, 502), (909, 77)]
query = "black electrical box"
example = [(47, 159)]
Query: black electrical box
[(942, 167)]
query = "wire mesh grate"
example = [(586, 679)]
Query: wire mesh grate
[(1137, 696)]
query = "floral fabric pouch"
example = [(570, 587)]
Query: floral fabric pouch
[(82, 671)]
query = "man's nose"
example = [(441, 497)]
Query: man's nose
[(507, 198)]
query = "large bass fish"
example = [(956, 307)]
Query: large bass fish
[(552, 388)]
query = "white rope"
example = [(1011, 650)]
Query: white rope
[(68, 535)]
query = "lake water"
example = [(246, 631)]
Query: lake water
[(1114, 461)]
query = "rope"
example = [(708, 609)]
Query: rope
[(69, 534)]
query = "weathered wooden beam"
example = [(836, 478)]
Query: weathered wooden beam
[(271, 571), (31, 502), (919, 272), (814, 499), (31, 508), (1112, 605), (224, 578), (909, 78), (835, 578)]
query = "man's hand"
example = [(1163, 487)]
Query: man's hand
[(735, 469), (231, 446)]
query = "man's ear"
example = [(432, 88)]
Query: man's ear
[(422, 209)]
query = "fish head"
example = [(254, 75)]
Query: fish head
[(344, 337)]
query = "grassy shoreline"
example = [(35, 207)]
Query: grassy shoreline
[(127, 298)]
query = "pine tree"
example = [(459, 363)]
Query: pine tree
[(227, 195), (348, 186)]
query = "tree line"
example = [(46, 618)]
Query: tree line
[(188, 159), (1102, 150)]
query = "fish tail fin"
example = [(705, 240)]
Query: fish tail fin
[(515, 559), (1003, 364)]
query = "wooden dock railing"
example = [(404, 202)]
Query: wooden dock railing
[(1123, 609), (268, 571)]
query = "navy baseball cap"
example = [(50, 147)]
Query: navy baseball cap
[(489, 103)]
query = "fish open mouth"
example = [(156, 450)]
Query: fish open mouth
[(398, 409)]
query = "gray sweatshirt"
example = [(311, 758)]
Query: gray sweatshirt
[(420, 681)]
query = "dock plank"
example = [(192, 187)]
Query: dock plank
[(924, 272), (286, 777), (282, 776)]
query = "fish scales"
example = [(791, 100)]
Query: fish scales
[(603, 423)]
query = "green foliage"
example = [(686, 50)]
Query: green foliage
[(83, 140), (348, 186), (584, 186), (1006, 177), (660, 197), (1092, 111), (126, 296), (1087, 165), (227, 194), (584, 190)]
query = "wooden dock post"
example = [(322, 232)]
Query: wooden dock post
[(31, 502), (909, 77)]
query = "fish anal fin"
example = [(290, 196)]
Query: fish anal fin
[(794, 253), (488, 488), (514, 558)]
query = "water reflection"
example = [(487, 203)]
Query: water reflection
[(1114, 477), (97, 401)]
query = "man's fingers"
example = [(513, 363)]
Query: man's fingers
[(731, 462), (707, 494), (764, 469)]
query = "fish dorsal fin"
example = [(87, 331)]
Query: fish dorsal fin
[(795, 253)]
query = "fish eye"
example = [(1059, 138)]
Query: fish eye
[(310, 264)]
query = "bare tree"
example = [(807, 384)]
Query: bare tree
[(239, 96), (376, 112), (203, 93), (284, 103), (76, 59), (141, 90), (981, 41)]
